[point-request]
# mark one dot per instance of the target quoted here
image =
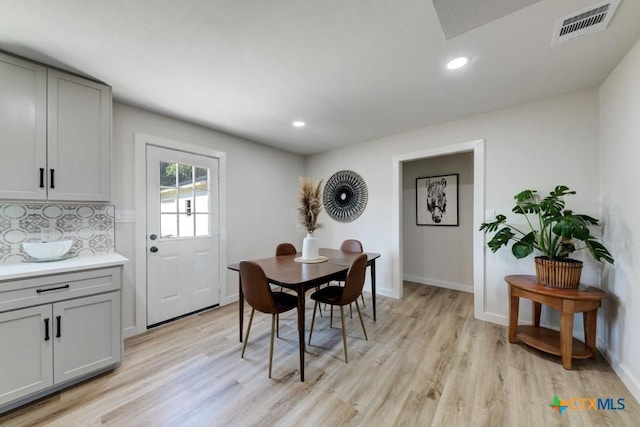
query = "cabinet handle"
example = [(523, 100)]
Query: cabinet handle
[(41, 177), (52, 172), (58, 328), (57, 288), (46, 329)]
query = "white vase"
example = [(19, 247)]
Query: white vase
[(310, 248)]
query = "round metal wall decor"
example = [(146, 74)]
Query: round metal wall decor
[(345, 196)]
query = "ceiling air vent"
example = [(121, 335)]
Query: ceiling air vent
[(587, 21)]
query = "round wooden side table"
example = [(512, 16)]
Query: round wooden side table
[(585, 300)]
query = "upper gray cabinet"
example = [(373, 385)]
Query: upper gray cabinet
[(78, 138), (55, 134), (23, 129)]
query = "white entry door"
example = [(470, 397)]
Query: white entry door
[(182, 233)]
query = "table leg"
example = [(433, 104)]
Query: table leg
[(514, 308), (240, 305), (566, 332), (590, 319), (373, 287), (536, 309), (301, 297)]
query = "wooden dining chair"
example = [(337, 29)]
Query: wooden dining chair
[(259, 296), (286, 249), (352, 245), (343, 295)]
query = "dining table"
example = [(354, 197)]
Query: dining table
[(290, 272)]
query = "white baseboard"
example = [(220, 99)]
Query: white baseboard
[(229, 300), (498, 319), (131, 331), (632, 383), (439, 283), (382, 291)]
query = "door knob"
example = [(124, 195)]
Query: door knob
[(153, 249)]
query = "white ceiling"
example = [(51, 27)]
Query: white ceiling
[(354, 70)]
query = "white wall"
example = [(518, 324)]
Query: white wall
[(620, 152), (536, 145), (435, 255), (262, 188)]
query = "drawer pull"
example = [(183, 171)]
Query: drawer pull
[(58, 331), (57, 288), (51, 184), (46, 329), (41, 177)]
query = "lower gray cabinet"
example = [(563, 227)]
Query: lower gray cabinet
[(86, 335), (26, 352), (47, 346)]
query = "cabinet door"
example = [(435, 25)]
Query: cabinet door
[(26, 355), (79, 138), (23, 129), (87, 335)]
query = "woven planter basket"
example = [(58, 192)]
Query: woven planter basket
[(563, 274)]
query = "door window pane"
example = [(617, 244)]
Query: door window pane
[(168, 200), (167, 174), (202, 190), (202, 178), (185, 225), (185, 200), (202, 201), (202, 224), (168, 225), (185, 175)]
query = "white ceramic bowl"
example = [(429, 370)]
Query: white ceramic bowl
[(47, 250)]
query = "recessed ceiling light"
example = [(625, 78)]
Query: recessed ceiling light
[(456, 63), (299, 124)]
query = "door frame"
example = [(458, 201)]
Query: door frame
[(140, 176), (477, 148)]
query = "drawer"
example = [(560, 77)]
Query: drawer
[(22, 293)]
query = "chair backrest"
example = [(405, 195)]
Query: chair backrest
[(285, 249), (355, 280), (256, 287), (351, 245)]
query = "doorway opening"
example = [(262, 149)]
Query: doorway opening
[(437, 223), (475, 147)]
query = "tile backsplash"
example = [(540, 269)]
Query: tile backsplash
[(90, 226)]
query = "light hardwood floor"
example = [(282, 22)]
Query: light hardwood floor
[(427, 362)]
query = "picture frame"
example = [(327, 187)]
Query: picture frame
[(437, 200)]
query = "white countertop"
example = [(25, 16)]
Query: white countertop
[(33, 269)]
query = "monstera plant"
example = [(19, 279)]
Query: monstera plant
[(550, 229)]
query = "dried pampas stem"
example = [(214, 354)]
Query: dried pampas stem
[(310, 204)]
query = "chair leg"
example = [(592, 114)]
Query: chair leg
[(361, 321), (363, 304), (351, 311), (278, 325), (246, 338), (331, 318), (344, 335), (313, 319), (273, 322)]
